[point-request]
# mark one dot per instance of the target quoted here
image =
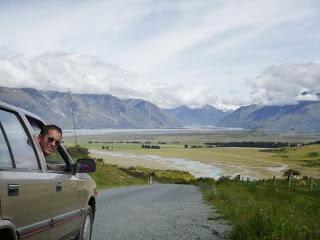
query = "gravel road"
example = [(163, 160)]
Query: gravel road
[(158, 211)]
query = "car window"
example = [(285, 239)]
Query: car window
[(20, 143), (35, 124), (56, 162), (5, 159)]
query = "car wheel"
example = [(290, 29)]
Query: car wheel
[(86, 228)]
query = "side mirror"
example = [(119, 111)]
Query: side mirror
[(85, 166)]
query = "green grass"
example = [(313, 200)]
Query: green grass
[(255, 210), (77, 152), (162, 176), (264, 211), (108, 175)]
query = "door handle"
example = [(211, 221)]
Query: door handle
[(13, 189), (58, 187)]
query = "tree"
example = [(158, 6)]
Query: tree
[(291, 173)]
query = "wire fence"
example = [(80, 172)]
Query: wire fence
[(291, 182)]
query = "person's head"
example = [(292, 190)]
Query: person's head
[(49, 138)]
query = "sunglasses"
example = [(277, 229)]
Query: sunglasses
[(51, 140)]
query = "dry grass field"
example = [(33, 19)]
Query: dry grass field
[(256, 162)]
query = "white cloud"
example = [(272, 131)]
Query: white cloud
[(174, 52), (287, 83), (173, 95), (87, 74), (281, 84)]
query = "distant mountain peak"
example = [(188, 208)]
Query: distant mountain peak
[(207, 106), (301, 117), (206, 115), (227, 107)]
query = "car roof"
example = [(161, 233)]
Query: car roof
[(20, 110)]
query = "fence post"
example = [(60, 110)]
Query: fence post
[(150, 180), (311, 184), (274, 180), (289, 181)]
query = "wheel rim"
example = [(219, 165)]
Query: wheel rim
[(87, 228)]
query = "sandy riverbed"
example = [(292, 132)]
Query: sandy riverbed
[(196, 168)]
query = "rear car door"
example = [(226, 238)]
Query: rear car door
[(25, 188)]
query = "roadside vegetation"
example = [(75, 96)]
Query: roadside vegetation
[(260, 210), (109, 175), (161, 176), (256, 210)]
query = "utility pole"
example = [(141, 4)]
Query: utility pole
[(74, 125)]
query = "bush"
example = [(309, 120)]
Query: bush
[(313, 155), (291, 173), (77, 152), (223, 179), (205, 184)]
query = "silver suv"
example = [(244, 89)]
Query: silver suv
[(40, 199)]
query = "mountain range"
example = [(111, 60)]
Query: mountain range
[(90, 110), (107, 111), (301, 117), (206, 115)]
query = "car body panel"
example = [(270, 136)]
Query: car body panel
[(66, 203), (44, 204)]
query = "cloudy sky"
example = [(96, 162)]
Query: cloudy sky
[(169, 52)]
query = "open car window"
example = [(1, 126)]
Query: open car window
[(57, 161)]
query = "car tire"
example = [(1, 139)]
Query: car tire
[(86, 228)]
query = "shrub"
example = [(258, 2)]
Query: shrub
[(223, 179), (291, 173)]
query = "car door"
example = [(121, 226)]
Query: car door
[(66, 194), (25, 188), (67, 205)]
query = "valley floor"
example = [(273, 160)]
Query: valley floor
[(125, 149)]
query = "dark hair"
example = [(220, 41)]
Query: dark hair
[(45, 129)]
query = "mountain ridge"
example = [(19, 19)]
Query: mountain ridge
[(207, 115), (90, 110), (107, 111), (301, 117)]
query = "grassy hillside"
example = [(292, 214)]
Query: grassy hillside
[(263, 211), (305, 159)]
